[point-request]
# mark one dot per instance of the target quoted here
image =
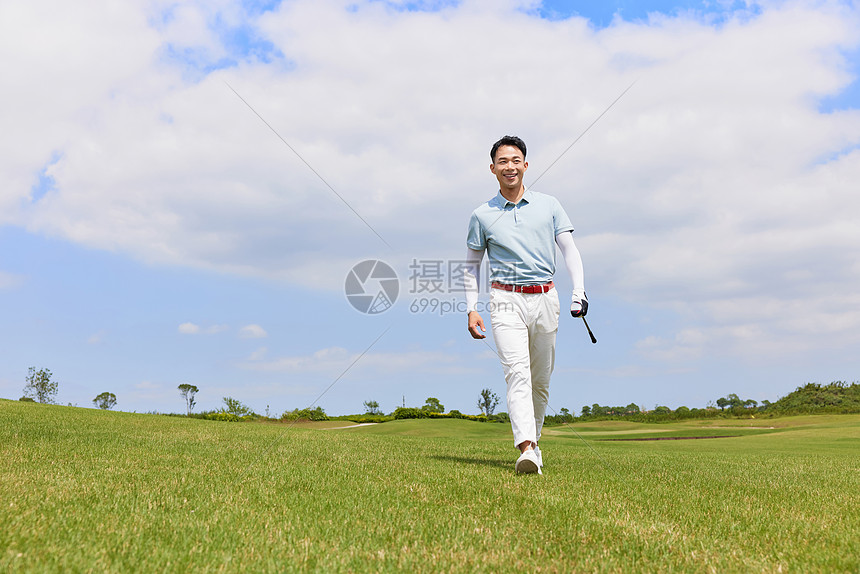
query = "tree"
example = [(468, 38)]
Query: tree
[(188, 391), (597, 410), (734, 400), (105, 401), (40, 386), (488, 402), (632, 409), (372, 407), (586, 411), (750, 404), (432, 405), (234, 407), (722, 402)]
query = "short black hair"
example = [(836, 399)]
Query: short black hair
[(508, 140)]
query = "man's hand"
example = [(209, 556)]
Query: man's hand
[(578, 305), (475, 322)]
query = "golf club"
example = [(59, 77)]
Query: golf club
[(590, 334)]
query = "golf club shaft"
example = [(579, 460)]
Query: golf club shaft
[(590, 334)]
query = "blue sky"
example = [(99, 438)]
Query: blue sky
[(601, 14), (153, 231)]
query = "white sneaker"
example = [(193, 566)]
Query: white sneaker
[(528, 463)]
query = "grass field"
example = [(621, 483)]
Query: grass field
[(86, 490)]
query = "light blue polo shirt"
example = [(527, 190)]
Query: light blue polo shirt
[(519, 238)]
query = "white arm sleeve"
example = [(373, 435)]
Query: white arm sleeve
[(573, 263), (470, 277)]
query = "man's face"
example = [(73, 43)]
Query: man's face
[(509, 167)]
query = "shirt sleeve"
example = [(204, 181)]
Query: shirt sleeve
[(470, 278), (560, 219), (476, 239), (573, 264)]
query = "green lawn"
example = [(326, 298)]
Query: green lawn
[(87, 490)]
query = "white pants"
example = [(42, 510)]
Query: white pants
[(524, 327)]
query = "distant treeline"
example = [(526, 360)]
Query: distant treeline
[(836, 397), (813, 398)]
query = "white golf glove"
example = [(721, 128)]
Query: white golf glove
[(578, 304)]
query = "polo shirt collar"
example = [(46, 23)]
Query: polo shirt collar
[(527, 197)]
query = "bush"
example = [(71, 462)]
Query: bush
[(221, 416), (215, 416), (315, 414), (413, 413), (235, 407), (27, 400), (502, 417), (367, 418), (409, 413), (476, 418)]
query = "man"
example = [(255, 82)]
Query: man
[(519, 229)]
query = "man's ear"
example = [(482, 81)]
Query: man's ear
[(493, 168)]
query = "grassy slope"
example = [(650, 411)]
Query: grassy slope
[(85, 489)]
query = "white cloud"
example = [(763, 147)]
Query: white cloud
[(714, 184), (687, 345), (194, 329), (148, 386), (10, 280), (252, 332), (259, 354), (189, 329), (150, 392), (337, 360), (96, 338)]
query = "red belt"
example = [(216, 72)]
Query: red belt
[(524, 288)]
